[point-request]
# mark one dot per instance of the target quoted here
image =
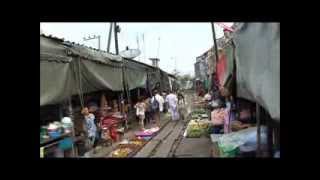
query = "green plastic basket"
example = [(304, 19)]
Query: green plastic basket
[(229, 154), (66, 144)]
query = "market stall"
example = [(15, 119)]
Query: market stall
[(89, 77)]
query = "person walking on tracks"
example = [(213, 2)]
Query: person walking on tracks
[(172, 100), (181, 98), (140, 111), (156, 106)]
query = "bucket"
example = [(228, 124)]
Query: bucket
[(65, 144)]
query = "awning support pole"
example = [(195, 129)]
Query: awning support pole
[(258, 130), (70, 114), (109, 38), (215, 41)]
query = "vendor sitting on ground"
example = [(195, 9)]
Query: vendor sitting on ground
[(218, 116), (91, 127)]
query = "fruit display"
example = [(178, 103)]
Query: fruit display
[(133, 144), (121, 152), (132, 147), (137, 142)]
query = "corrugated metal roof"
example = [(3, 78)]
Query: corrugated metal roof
[(52, 37), (71, 43), (77, 45)]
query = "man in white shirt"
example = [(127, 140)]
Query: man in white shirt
[(157, 106), (172, 100)]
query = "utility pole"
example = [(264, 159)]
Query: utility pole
[(144, 47), (94, 37), (138, 46), (109, 37), (215, 41), (116, 31), (158, 48)]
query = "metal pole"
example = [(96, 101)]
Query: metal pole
[(158, 48), (116, 37), (270, 137), (160, 83), (258, 130), (109, 38)]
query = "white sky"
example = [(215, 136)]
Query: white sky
[(182, 42)]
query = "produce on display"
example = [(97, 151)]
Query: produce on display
[(121, 152), (199, 113), (194, 133), (130, 146), (137, 142), (133, 144), (197, 128)]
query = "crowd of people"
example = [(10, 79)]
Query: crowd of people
[(148, 110)]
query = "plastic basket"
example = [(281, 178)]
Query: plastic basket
[(65, 144), (230, 154)]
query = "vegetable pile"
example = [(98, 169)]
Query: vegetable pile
[(198, 113), (121, 152), (198, 128)]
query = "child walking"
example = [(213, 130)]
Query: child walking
[(140, 111)]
